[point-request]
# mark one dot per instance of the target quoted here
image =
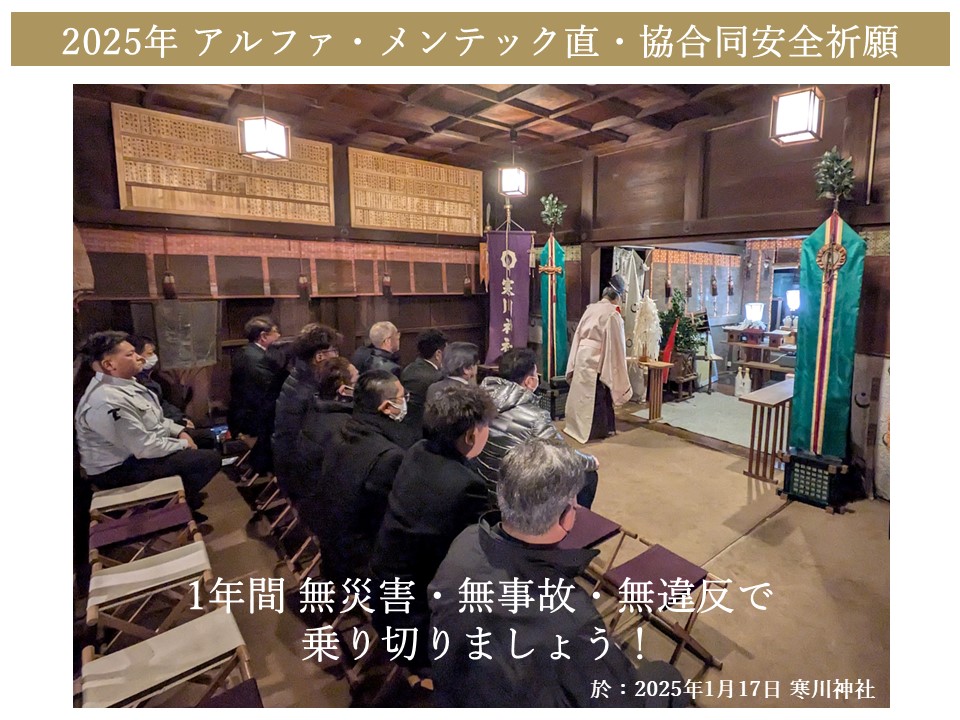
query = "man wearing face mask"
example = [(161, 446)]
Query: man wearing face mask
[(537, 500), (435, 495), (522, 418), (147, 349), (122, 435), (358, 471)]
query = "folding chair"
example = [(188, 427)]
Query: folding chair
[(589, 531), (207, 650), (121, 502), (658, 569), (244, 695), (146, 597), (141, 532)]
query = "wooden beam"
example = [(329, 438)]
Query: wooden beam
[(740, 226)]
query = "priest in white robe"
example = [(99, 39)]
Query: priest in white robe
[(597, 368)]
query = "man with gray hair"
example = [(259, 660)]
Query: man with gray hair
[(382, 352), (532, 656), (459, 366)]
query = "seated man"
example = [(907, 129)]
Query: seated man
[(358, 472), (435, 495), (329, 411), (253, 374), (420, 375), (382, 352), (122, 434), (459, 365), (313, 345), (521, 417), (147, 349), (539, 482)]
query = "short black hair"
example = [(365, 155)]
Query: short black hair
[(454, 410), (516, 364), (257, 325), (429, 341), (314, 338), (141, 341), (101, 344), (458, 356), (373, 387)]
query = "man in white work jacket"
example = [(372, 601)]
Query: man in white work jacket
[(122, 435)]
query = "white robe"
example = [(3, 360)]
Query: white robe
[(598, 349)]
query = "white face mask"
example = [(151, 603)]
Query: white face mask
[(151, 362), (402, 407)]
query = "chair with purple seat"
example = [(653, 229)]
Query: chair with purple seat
[(658, 572), (592, 530), (131, 522)]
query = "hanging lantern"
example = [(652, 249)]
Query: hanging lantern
[(713, 285), (689, 288), (730, 284), (797, 116), (668, 289)]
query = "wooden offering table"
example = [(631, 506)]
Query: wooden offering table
[(654, 385), (769, 431)]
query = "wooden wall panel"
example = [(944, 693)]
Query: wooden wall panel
[(642, 185), (119, 274), (428, 277), (192, 273), (283, 275), (746, 174), (873, 322), (335, 277), (564, 182), (239, 275)]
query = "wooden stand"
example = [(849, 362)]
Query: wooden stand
[(769, 431), (655, 385)]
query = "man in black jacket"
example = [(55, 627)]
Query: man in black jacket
[(420, 375), (313, 345), (329, 411), (358, 472), (459, 365), (521, 418), (382, 352), (253, 373), (435, 495), (518, 548)]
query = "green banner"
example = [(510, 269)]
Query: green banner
[(831, 272)]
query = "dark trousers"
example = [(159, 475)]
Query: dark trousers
[(604, 420), (589, 492), (195, 467)]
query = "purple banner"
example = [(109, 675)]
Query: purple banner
[(509, 262)]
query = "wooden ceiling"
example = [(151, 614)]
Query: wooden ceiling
[(476, 126)]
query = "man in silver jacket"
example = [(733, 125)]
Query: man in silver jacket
[(122, 435), (520, 418)]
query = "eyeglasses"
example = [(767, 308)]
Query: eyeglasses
[(330, 353), (405, 396)]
